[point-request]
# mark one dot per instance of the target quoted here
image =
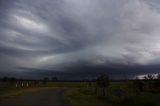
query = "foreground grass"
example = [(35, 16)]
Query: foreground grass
[(11, 89), (87, 97), (83, 95), (17, 91), (79, 98)]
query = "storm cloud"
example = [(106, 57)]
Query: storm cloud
[(79, 36)]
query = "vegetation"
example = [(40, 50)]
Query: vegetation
[(9, 86), (119, 93), (100, 92), (102, 83), (117, 96)]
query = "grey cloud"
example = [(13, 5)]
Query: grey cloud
[(60, 33)]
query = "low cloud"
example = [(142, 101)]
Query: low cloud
[(59, 35)]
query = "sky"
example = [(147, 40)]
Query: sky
[(78, 39)]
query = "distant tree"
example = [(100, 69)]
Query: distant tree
[(102, 82), (5, 79), (158, 76), (45, 80), (157, 81), (54, 79), (150, 77), (138, 84), (145, 78), (150, 81), (12, 80), (90, 83), (36, 82)]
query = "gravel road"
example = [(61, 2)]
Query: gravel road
[(47, 97)]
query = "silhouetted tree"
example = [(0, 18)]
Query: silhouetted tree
[(102, 82), (90, 83), (150, 81), (12, 80), (45, 80), (138, 84), (54, 79), (145, 78), (158, 76), (5, 79), (157, 81), (36, 82), (150, 76)]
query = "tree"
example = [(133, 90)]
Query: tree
[(150, 81), (45, 80), (5, 79), (150, 76), (139, 84), (54, 79), (102, 82), (36, 82), (158, 76), (12, 80), (157, 82)]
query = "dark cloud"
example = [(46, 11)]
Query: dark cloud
[(83, 71), (77, 37)]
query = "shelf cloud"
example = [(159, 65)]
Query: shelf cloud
[(79, 36)]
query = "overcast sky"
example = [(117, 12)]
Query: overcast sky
[(79, 37)]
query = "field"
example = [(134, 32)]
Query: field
[(7, 88), (119, 93), (129, 96)]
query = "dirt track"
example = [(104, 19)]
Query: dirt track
[(47, 97)]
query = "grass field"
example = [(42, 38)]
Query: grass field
[(129, 97), (84, 98), (83, 93), (9, 89)]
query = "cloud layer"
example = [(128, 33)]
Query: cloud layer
[(66, 35)]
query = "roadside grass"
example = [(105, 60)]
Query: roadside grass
[(83, 93), (79, 97), (13, 91), (7, 89), (87, 97), (67, 84)]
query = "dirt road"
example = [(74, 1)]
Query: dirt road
[(47, 97)]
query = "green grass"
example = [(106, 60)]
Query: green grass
[(9, 89), (66, 84), (79, 97), (83, 95), (87, 97)]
